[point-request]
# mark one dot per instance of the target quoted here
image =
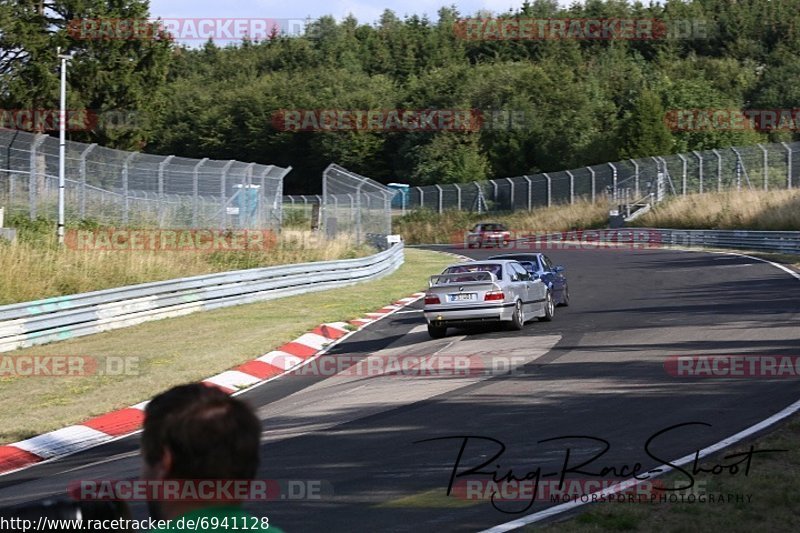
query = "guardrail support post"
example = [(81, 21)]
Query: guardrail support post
[(82, 178)]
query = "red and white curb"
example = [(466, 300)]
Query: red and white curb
[(117, 424)]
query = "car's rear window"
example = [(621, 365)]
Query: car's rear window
[(497, 270)]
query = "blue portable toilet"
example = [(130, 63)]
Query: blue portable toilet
[(400, 200), (248, 202)]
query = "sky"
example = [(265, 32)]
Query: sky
[(365, 11)]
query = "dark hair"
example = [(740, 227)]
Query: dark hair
[(210, 434)]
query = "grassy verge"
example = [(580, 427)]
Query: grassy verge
[(772, 485), (428, 227), (35, 267), (777, 210), (190, 348)]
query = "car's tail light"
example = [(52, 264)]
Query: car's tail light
[(432, 299), (494, 295)]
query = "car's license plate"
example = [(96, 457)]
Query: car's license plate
[(463, 297)]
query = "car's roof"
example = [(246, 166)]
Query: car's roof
[(515, 257), (486, 262)]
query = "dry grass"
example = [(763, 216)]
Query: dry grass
[(754, 210), (35, 267), (427, 227)]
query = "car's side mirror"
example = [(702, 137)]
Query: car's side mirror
[(534, 276), (514, 277), (559, 268)]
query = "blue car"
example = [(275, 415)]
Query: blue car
[(540, 266)]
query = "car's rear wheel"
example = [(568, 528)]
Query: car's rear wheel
[(549, 308), (437, 332), (518, 318)]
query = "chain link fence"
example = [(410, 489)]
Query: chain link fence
[(764, 166), (355, 205), (120, 188)]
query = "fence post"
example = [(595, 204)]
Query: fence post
[(591, 171), (494, 191), (571, 187), (441, 193), (358, 211), (614, 179), (458, 196), (223, 193), (196, 190), (549, 189), (161, 166), (530, 192), (82, 178), (125, 198), (421, 197), (719, 169), (699, 168), (683, 174), (738, 169), (635, 177), (478, 198), (512, 203), (766, 167), (788, 165), (32, 175)]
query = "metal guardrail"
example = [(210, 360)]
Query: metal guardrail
[(42, 321), (785, 242)]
